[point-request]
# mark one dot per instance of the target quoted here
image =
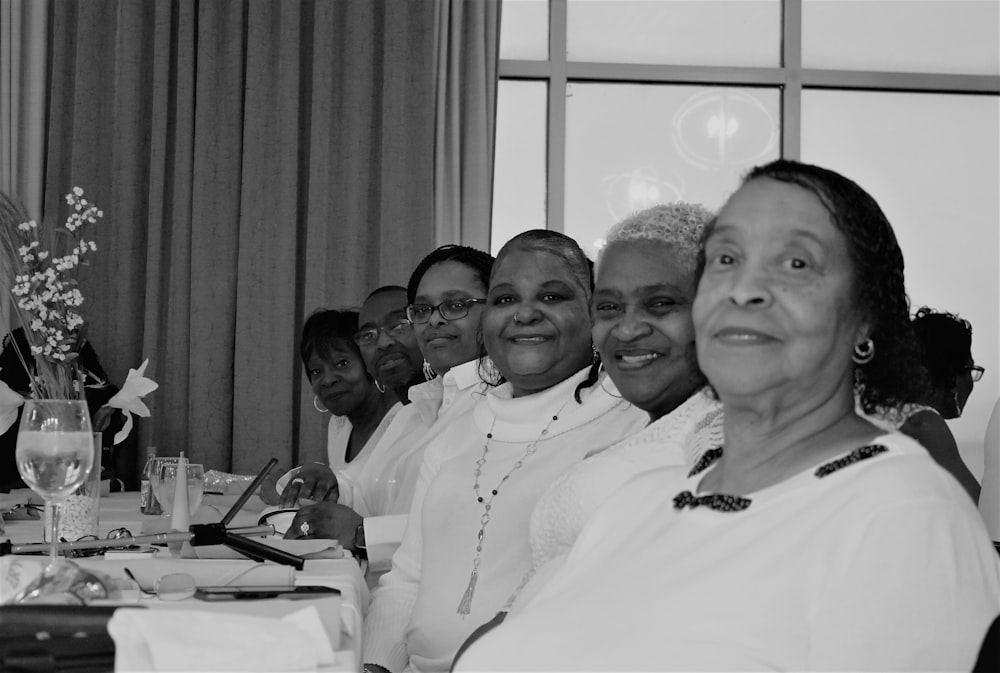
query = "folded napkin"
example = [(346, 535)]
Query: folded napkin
[(200, 640), (206, 573)]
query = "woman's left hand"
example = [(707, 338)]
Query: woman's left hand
[(325, 521)]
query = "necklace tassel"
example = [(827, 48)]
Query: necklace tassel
[(466, 605)]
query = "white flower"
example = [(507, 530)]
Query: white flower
[(129, 398)]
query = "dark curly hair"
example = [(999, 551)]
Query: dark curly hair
[(946, 345), (894, 376), (579, 265), (480, 262), (326, 330)]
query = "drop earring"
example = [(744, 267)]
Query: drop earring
[(429, 372)]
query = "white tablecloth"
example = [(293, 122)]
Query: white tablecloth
[(121, 510)]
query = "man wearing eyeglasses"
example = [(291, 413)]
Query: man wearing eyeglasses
[(387, 343)]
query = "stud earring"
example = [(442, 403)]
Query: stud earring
[(864, 352)]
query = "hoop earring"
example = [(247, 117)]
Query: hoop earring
[(317, 407), (864, 352), (488, 371), (379, 386), (515, 318), (429, 372)]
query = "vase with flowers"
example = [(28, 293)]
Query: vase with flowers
[(55, 443)]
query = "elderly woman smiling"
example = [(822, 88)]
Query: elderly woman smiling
[(466, 544), (811, 540)]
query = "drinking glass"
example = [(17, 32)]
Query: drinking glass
[(55, 453), (154, 480), (166, 485)]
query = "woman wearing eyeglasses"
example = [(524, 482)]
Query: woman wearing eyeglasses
[(946, 354), (446, 293)]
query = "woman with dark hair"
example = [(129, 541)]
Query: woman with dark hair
[(359, 411), (946, 355), (810, 540), (946, 348), (466, 547), (446, 294)]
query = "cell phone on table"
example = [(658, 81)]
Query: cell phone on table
[(258, 593)]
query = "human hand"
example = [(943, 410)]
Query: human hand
[(314, 481), (326, 521)]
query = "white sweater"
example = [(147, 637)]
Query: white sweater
[(413, 619), (338, 434), (676, 439), (880, 565), (383, 490)]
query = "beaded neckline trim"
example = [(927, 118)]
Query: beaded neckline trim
[(721, 502), (854, 456)]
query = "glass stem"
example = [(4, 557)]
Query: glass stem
[(53, 539)]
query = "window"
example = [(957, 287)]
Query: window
[(609, 106)]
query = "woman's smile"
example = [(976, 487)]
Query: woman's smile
[(636, 358)]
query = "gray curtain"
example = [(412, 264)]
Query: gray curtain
[(468, 47), (23, 48), (256, 160)]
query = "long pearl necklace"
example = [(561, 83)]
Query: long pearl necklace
[(466, 603)]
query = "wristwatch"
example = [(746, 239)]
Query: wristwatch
[(361, 550)]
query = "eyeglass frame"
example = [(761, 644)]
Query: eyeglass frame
[(466, 307), (116, 534), (976, 372), (369, 336)]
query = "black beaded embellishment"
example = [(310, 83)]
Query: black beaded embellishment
[(853, 457), (720, 502), (717, 501), (706, 459)]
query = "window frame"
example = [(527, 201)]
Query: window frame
[(790, 78)]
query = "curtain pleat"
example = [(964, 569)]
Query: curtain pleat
[(467, 39), (23, 60), (255, 160)]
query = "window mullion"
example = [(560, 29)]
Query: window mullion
[(556, 169), (791, 97)]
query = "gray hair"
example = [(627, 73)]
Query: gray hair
[(678, 224)]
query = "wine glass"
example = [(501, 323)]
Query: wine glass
[(166, 485), (55, 453)]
